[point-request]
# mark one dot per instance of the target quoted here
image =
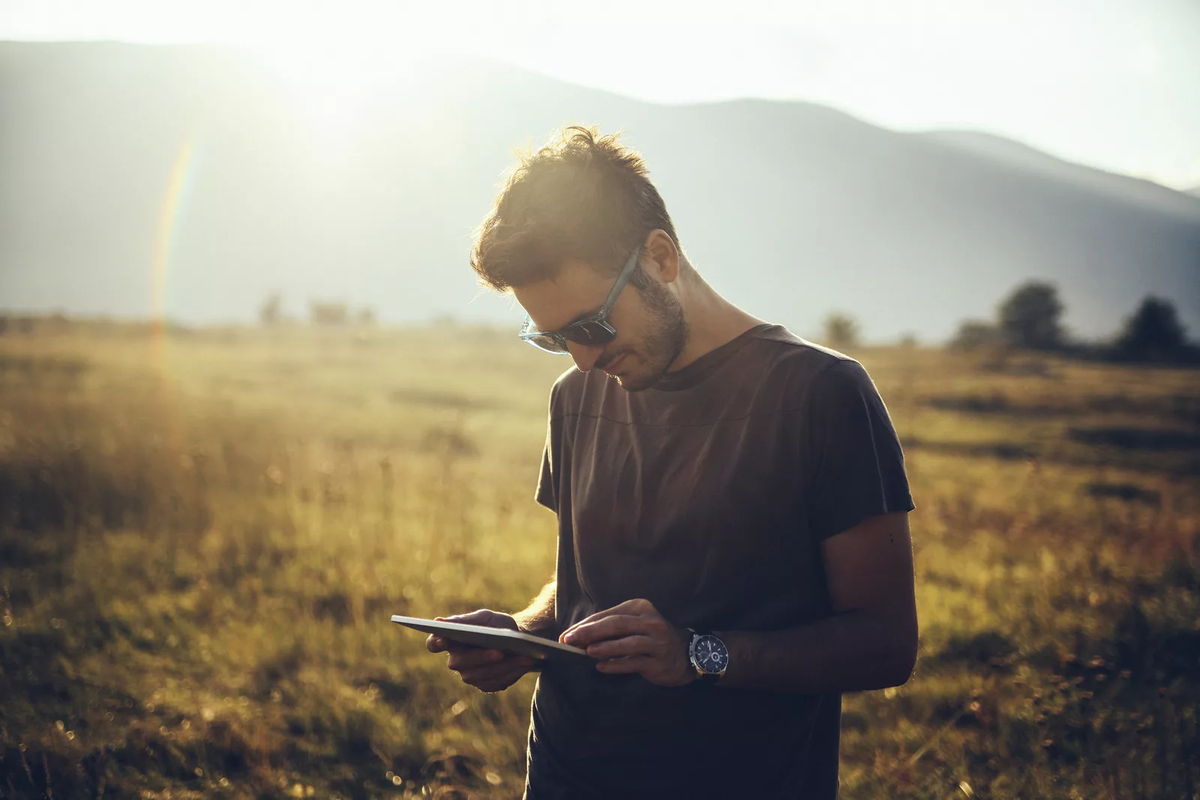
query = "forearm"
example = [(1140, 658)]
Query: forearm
[(539, 617), (852, 651)]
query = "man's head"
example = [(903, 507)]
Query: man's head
[(567, 221)]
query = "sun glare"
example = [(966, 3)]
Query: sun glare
[(335, 91), (329, 92)]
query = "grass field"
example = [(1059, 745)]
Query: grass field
[(202, 536)]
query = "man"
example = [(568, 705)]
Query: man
[(732, 510)]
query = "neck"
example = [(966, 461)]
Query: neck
[(712, 321)]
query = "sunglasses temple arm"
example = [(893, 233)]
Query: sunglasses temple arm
[(622, 279)]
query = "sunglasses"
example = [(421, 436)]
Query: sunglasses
[(590, 330)]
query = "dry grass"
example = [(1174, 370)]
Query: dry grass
[(202, 537)]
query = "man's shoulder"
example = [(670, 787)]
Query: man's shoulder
[(571, 380), (797, 363), (570, 377), (569, 388), (785, 346)]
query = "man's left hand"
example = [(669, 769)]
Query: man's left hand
[(634, 638)]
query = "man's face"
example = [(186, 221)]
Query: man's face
[(651, 325)]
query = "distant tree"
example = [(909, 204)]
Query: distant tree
[(1030, 317), (326, 313), (270, 311), (974, 334), (1153, 332), (841, 330), (908, 340), (366, 317)]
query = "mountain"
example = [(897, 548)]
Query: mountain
[(1021, 156), (367, 190)]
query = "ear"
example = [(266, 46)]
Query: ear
[(664, 256)]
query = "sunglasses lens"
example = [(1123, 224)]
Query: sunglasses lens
[(591, 334), (548, 342)]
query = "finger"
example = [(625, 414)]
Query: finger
[(440, 644), (482, 616), (625, 666), (486, 672), (635, 607), (499, 683), (466, 659), (486, 658), (613, 627), (495, 674), (599, 615), (625, 646)]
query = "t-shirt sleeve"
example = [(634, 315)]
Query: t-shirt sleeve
[(856, 463), (547, 485), (546, 493)]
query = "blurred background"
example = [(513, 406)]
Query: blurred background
[(252, 401)]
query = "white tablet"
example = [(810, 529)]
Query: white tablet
[(519, 642)]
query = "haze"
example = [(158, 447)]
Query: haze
[(1111, 85), (347, 153)]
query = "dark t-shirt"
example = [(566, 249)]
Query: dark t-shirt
[(708, 495)]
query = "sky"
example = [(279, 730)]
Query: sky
[(1110, 83)]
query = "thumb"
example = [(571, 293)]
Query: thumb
[(482, 616)]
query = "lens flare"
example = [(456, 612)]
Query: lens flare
[(167, 221)]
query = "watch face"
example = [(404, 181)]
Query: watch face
[(711, 655)]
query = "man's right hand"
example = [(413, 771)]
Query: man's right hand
[(486, 670)]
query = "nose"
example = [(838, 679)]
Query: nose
[(585, 356)]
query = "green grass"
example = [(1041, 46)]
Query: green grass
[(202, 537)]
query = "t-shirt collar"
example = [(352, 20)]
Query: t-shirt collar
[(699, 370)]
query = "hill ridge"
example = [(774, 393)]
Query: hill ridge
[(790, 209)]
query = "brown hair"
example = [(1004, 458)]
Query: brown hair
[(580, 197)]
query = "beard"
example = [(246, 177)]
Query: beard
[(665, 338)]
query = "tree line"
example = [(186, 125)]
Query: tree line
[(320, 313), (1030, 319)]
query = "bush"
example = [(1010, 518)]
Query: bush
[(841, 331), (1030, 317), (328, 313), (1153, 333), (973, 335), (270, 312)]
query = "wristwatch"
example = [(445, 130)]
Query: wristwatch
[(708, 656)]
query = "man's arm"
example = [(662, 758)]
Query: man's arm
[(539, 618), (869, 643)]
